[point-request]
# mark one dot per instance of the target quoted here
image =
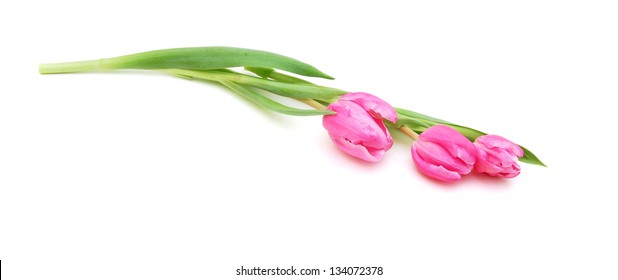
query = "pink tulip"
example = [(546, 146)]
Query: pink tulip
[(358, 128), (442, 153), (497, 156)]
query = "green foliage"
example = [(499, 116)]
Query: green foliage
[(302, 91)]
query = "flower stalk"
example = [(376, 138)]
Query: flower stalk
[(313, 103), (409, 132)]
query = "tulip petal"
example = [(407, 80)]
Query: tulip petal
[(387, 134), (434, 171), (511, 172), (435, 154), (372, 104), (450, 139), (358, 150), (484, 165), (352, 122), (497, 156), (499, 142)]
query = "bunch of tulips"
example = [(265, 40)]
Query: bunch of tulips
[(439, 152), (358, 123)]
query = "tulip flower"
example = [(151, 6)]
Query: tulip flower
[(358, 127), (497, 156), (442, 153)]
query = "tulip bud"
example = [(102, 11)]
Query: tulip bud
[(497, 156), (443, 153), (358, 128)]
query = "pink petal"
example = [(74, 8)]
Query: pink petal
[(435, 154), (358, 150), (483, 165), (389, 138), (497, 156), (510, 172), (372, 104), (450, 139), (352, 122), (433, 171), (499, 142)]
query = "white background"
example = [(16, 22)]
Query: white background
[(138, 175)]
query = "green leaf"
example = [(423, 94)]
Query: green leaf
[(414, 124), (279, 77), (416, 115), (260, 71), (269, 103), (301, 91), (470, 133), (201, 58), (530, 158)]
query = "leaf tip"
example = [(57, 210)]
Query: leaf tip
[(326, 76)]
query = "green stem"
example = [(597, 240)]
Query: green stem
[(313, 103), (409, 132), (74, 67)]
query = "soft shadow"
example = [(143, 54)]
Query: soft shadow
[(485, 181), (400, 137), (439, 184), (472, 180), (345, 158)]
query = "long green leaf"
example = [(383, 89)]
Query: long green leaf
[(284, 89), (416, 115), (201, 58), (414, 124), (269, 73), (271, 104), (279, 77)]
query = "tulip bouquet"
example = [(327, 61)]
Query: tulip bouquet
[(358, 123)]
